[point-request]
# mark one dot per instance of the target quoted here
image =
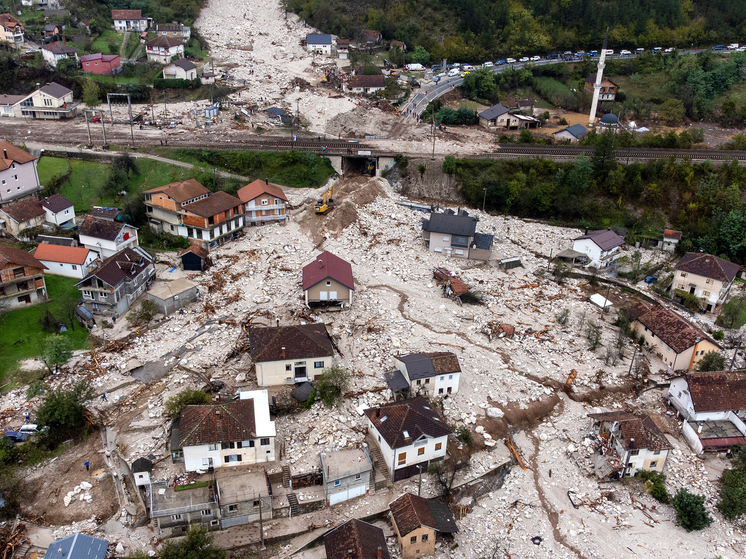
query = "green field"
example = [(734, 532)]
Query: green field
[(88, 177), (108, 37), (113, 79), (21, 336)]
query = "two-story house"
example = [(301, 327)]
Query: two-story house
[(671, 239), (162, 49), (356, 539), (174, 30), (52, 101), (163, 205), (175, 512), (417, 522), (328, 281), (54, 52), (678, 343), (107, 237), (98, 63), (18, 176), (634, 442), (21, 278), (410, 434), (454, 234), (265, 202), (130, 20), (290, 354), (241, 495), (429, 374), (319, 43), (608, 88), (601, 246), (72, 262), (11, 30), (706, 276), (114, 286), (713, 407), (21, 215), (59, 211), (228, 434), (347, 474), (181, 69)]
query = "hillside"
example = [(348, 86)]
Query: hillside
[(478, 30)]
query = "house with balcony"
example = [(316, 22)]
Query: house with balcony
[(454, 234), (11, 30), (59, 211), (608, 88), (265, 202), (21, 278), (628, 443), (107, 237), (162, 49), (52, 101), (21, 215), (116, 284), (163, 205), (678, 343), (72, 262), (705, 276), (713, 407), (347, 474), (290, 354), (228, 434), (54, 52), (181, 69), (601, 246), (328, 281), (18, 176), (410, 434), (130, 20), (104, 64), (428, 374)]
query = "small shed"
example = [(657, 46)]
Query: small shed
[(170, 296), (194, 259), (141, 469)]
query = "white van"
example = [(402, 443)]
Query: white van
[(733, 46), (415, 67), (453, 72)]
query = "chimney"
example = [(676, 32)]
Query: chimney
[(699, 429), (586, 231), (283, 352), (349, 554), (321, 263), (266, 181), (380, 553), (631, 444), (378, 412), (5, 154)]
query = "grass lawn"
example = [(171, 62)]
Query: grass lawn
[(21, 335), (132, 43), (113, 79), (647, 87), (88, 176), (108, 37)]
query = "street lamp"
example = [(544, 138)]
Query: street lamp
[(484, 200)]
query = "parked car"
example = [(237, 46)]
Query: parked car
[(24, 432), (553, 56), (593, 53), (625, 52), (510, 60), (436, 68), (669, 50), (441, 75), (609, 52), (436, 79), (651, 279), (535, 58), (524, 59), (733, 46), (464, 74), (468, 67), (500, 62), (453, 72), (639, 50), (718, 48), (580, 54), (656, 50), (488, 64)]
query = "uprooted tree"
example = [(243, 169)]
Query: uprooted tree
[(187, 397), (444, 473)]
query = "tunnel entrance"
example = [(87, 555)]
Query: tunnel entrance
[(357, 166)]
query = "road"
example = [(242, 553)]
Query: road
[(431, 91)]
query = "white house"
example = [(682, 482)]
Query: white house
[(51, 101), (73, 262), (319, 44), (54, 52), (228, 434), (347, 474), (162, 49), (18, 176), (713, 406), (181, 69), (107, 237), (130, 20), (59, 211), (430, 374), (410, 434), (174, 30), (290, 354), (706, 276), (574, 133), (366, 84), (636, 441), (671, 239), (601, 246)]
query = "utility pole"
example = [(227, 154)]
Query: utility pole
[(261, 522), (433, 115), (103, 127), (608, 291), (419, 482), (88, 126), (165, 108), (484, 200), (735, 353), (633, 360)]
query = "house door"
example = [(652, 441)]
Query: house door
[(300, 374), (691, 290), (332, 295), (323, 295)]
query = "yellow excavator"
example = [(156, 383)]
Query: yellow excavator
[(325, 202)]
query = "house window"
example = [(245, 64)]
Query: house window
[(427, 381), (656, 453), (265, 202), (450, 377), (288, 367), (264, 442), (438, 446), (232, 508), (213, 446), (440, 391), (318, 364), (446, 238), (442, 378), (459, 252), (419, 382), (413, 539), (708, 281), (75, 267), (634, 452), (402, 459), (421, 451), (251, 444), (328, 284), (206, 512), (683, 274), (654, 463), (185, 528), (255, 503), (233, 458), (705, 293), (437, 249), (177, 517), (357, 477), (205, 461), (423, 538), (48, 102), (337, 482), (214, 522), (87, 294)]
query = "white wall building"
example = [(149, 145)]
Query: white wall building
[(601, 246), (72, 262), (431, 374), (107, 237), (59, 211), (18, 176), (706, 276)]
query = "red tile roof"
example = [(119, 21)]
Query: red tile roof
[(368, 81), (64, 254), (181, 191), (355, 539), (198, 250), (126, 14), (13, 154), (717, 391), (411, 512), (18, 257), (672, 234), (24, 210), (676, 332), (255, 189), (640, 429), (708, 266), (415, 416), (216, 423), (327, 265), (214, 204), (289, 343)]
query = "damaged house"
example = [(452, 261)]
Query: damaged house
[(428, 374), (347, 474), (417, 522), (454, 234), (356, 539), (328, 281)]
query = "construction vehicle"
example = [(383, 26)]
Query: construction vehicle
[(325, 202), (370, 167)]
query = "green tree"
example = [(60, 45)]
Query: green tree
[(91, 94), (480, 84), (330, 386), (732, 501), (196, 545), (187, 397), (672, 112), (711, 361), (144, 314), (419, 56), (733, 314), (55, 351), (449, 165), (691, 511), (64, 412), (604, 156)]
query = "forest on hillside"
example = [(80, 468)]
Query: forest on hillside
[(478, 30)]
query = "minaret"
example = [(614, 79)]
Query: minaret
[(597, 85)]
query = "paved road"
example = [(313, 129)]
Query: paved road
[(431, 91)]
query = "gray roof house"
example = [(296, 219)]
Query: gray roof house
[(78, 546), (454, 233), (574, 133), (430, 374), (319, 43), (347, 474), (490, 117), (601, 246)]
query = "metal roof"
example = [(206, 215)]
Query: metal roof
[(78, 546)]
